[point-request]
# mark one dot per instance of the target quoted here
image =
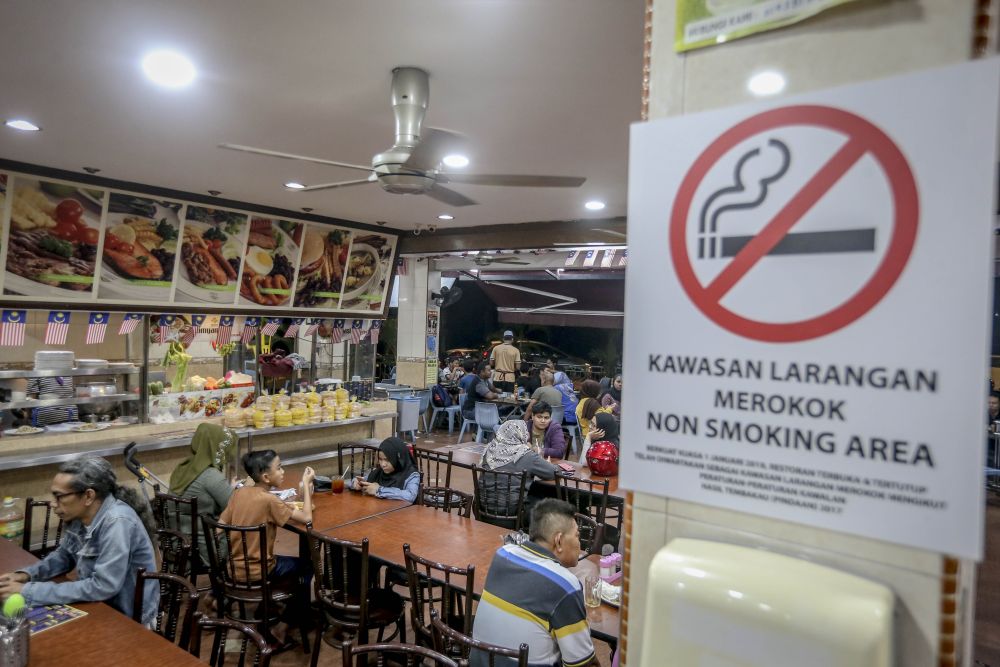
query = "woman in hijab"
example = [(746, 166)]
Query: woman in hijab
[(201, 475), (395, 477), (613, 397), (604, 428), (511, 451)]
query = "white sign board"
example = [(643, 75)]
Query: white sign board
[(808, 307)]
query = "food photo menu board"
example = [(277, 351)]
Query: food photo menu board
[(52, 244), (72, 244)]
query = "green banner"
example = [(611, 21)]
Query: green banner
[(708, 22)]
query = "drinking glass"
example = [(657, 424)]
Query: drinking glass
[(337, 485), (592, 590)]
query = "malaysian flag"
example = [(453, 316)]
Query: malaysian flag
[(57, 328), (166, 321), (130, 321), (192, 331), (337, 333), (311, 326), (373, 331), (225, 332), (250, 325), (357, 331), (571, 258), (13, 328), (293, 328), (271, 327), (401, 266), (97, 326), (590, 258)]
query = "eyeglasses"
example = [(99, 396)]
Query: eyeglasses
[(57, 497)]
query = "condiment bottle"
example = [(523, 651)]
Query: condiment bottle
[(607, 565), (11, 520)]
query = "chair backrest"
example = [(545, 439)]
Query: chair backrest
[(175, 551), (487, 415), (253, 648), (341, 585), (434, 466), (591, 533), (233, 575), (414, 656), (425, 400), (499, 496), (447, 499), (587, 496), (557, 414), (445, 637), (178, 604), (361, 458), (176, 513), (46, 546), (436, 586)]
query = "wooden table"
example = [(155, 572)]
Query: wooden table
[(101, 638)]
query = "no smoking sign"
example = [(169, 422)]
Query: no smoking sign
[(764, 216)]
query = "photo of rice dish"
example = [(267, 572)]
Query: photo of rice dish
[(212, 245)]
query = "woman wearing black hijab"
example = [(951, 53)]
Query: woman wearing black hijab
[(604, 428), (395, 476)]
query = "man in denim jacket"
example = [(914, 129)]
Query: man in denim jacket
[(105, 539)]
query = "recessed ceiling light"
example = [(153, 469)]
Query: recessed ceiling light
[(456, 161), (594, 205), (168, 68), (766, 83), (445, 216), (294, 185), (21, 124)]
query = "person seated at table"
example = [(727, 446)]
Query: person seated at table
[(569, 402), (589, 405), (468, 376), (546, 435), (612, 398), (528, 379), (546, 393), (603, 428), (455, 371), (479, 389), (511, 450), (531, 597), (254, 505), (201, 476), (395, 477), (106, 538)]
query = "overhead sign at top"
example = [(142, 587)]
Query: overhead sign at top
[(819, 271)]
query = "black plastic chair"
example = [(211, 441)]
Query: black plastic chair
[(254, 650), (448, 500), (175, 552), (181, 514), (447, 637), (46, 547), (591, 533), (412, 656), (499, 497), (178, 605), (435, 586), (587, 496)]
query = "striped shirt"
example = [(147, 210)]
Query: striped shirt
[(530, 598)]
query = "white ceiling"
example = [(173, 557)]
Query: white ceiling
[(539, 86)]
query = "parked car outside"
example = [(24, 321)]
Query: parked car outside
[(538, 354), (461, 353)]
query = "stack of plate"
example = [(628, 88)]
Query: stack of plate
[(91, 363), (54, 360)]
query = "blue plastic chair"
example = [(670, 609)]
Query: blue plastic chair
[(487, 419), (451, 411)]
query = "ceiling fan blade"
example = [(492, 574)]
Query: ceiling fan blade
[(331, 186), (516, 180), (610, 232), (434, 145), (450, 197), (292, 156)]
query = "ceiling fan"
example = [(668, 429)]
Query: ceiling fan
[(413, 164), (487, 260)]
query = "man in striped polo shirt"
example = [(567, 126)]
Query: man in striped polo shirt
[(531, 598)]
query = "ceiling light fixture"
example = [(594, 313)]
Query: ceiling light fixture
[(766, 83), (23, 125), (294, 185), (168, 69), (456, 161), (445, 216), (594, 205)]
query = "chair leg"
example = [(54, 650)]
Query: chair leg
[(320, 629)]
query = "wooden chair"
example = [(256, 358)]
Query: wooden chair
[(446, 499), (445, 636), (180, 514), (348, 601), (178, 604), (413, 656), (591, 533), (434, 466), (499, 497), (438, 587), (46, 547), (234, 584), (587, 496), (360, 457), (175, 552), (254, 650)]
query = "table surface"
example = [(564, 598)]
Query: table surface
[(103, 637)]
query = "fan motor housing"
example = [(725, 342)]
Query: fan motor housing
[(393, 177)]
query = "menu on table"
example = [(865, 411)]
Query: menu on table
[(140, 248), (368, 271), (269, 264), (53, 239), (213, 241), (322, 267)]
